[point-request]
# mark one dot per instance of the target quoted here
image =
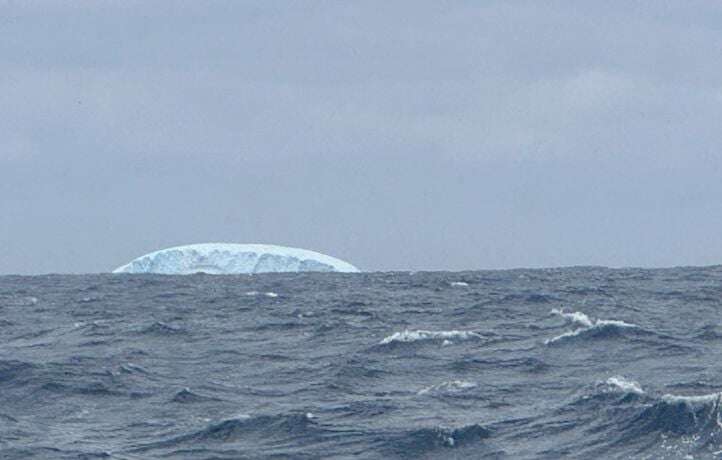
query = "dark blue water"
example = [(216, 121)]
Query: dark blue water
[(521, 364)]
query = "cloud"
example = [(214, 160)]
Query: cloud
[(393, 135)]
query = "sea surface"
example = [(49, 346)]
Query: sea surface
[(522, 364)]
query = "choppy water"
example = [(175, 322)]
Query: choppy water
[(522, 364)]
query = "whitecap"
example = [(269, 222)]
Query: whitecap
[(687, 415), (625, 385), (417, 335), (459, 283), (452, 386), (575, 317), (700, 399), (587, 324), (267, 294), (13, 301)]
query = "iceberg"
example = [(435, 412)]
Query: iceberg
[(228, 259)]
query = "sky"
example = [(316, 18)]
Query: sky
[(410, 135)]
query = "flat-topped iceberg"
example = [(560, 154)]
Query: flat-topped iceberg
[(226, 258)]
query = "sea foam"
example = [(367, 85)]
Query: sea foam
[(587, 324), (418, 335), (625, 385), (452, 386)]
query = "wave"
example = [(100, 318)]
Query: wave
[(711, 332), (362, 408), (256, 294), (18, 301), (162, 329), (188, 396), (418, 443), (280, 432), (51, 452), (459, 284), (407, 336), (682, 415), (91, 388), (473, 363), (450, 387), (282, 435), (619, 413), (625, 385), (91, 299), (15, 371), (589, 326), (130, 368), (243, 425), (8, 418), (357, 370), (533, 297), (97, 328)]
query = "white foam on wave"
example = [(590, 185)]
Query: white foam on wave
[(575, 317), (625, 385), (631, 386), (459, 283), (417, 335), (452, 386), (704, 407), (13, 301), (256, 293), (699, 399), (587, 324)]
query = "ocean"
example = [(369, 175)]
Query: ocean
[(578, 363)]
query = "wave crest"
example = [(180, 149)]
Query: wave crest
[(450, 387), (625, 385), (407, 336), (589, 326), (420, 442), (621, 413), (686, 414), (272, 430)]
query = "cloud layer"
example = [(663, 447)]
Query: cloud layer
[(416, 135)]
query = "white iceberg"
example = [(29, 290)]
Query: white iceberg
[(226, 259)]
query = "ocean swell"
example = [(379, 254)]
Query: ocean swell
[(589, 327)]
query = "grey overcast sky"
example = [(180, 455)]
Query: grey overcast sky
[(392, 134)]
